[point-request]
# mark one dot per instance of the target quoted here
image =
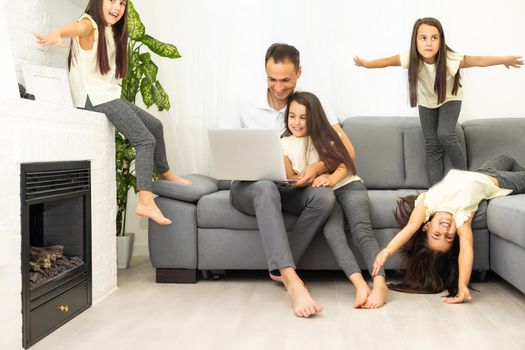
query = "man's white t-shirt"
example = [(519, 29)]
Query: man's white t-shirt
[(258, 114)]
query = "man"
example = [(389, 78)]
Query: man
[(266, 199)]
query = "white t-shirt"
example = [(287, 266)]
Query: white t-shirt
[(426, 96), (85, 77), (459, 194), (258, 114), (295, 148)]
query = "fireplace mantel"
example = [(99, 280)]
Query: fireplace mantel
[(33, 131)]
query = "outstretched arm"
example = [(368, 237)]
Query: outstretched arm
[(81, 29), (485, 61), (414, 224), (465, 262), (378, 63)]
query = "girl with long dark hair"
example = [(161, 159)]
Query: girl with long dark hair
[(98, 60), (310, 138), (434, 86), (437, 237)]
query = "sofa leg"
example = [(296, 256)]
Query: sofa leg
[(479, 275), (176, 275), (213, 274)]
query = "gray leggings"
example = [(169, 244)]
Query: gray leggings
[(145, 133), (353, 199), (439, 130), (509, 173)]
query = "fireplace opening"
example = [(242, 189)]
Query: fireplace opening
[(56, 245)]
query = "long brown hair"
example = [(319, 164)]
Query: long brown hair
[(426, 271), (327, 143), (120, 34), (440, 84)]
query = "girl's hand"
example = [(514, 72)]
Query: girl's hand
[(513, 61), (321, 181), (360, 62), (53, 38), (462, 296), (381, 258)]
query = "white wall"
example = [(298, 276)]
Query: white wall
[(223, 45)]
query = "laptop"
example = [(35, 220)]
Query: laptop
[(247, 154)]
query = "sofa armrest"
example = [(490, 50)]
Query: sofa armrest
[(201, 186)]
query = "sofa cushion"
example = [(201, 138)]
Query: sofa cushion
[(395, 159), (486, 138), (201, 185), (215, 210), (506, 218)]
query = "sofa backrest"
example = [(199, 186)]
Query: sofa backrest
[(391, 151), (486, 138)]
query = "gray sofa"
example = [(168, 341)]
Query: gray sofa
[(209, 234)]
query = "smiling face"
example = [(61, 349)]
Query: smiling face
[(428, 40), (113, 10), (297, 119), (441, 231), (282, 78)]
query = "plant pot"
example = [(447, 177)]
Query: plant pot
[(124, 250)]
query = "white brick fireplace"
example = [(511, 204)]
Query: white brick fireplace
[(39, 132)]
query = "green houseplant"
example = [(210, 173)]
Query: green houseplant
[(142, 77)]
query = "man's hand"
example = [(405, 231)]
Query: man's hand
[(307, 176)]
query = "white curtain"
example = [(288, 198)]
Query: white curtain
[(223, 45)]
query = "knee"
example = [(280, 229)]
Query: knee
[(447, 137), (156, 128), (265, 190), (323, 198)]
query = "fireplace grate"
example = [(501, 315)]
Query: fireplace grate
[(48, 184)]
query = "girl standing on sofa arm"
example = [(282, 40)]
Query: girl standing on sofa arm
[(309, 138), (440, 223)]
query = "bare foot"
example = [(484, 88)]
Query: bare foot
[(377, 297), (150, 210), (171, 176), (302, 302), (362, 292), (361, 289)]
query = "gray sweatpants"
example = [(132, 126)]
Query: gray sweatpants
[(352, 205), (439, 130), (266, 200), (145, 133), (509, 173)]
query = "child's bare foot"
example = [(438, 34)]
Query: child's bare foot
[(150, 210), (171, 176), (361, 289), (377, 297), (302, 302)]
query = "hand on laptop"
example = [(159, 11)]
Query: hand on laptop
[(306, 177)]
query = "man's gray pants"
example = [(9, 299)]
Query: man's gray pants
[(266, 200)]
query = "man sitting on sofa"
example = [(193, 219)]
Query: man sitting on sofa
[(265, 199)]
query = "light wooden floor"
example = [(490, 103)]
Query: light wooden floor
[(246, 311)]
